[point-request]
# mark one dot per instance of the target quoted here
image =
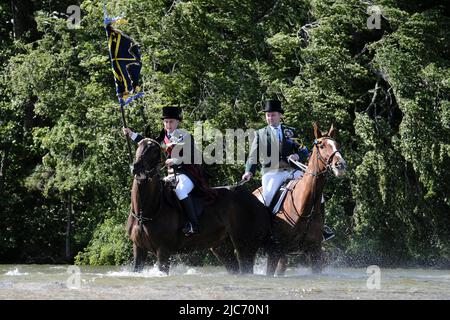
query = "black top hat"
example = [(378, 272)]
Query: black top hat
[(272, 106), (171, 113)]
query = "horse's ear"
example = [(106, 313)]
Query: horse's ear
[(332, 131), (317, 132)]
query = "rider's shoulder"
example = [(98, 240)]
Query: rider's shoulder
[(181, 134), (289, 131), (263, 130), (288, 127)]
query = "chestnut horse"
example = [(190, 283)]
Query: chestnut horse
[(234, 226), (298, 225)]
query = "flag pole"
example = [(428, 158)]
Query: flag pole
[(107, 21), (124, 124)]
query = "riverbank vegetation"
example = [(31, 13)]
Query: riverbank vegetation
[(381, 74)]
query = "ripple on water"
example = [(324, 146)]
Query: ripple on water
[(211, 282), (146, 273), (6, 284), (16, 272)]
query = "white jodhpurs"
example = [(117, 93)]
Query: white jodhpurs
[(272, 181), (184, 186)]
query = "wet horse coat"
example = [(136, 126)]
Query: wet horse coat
[(234, 226), (298, 225)]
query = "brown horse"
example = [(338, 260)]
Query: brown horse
[(234, 226), (298, 225)]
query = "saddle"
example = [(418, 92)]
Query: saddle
[(200, 200), (279, 197)]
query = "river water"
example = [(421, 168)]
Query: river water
[(186, 282)]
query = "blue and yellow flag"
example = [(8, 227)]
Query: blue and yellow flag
[(126, 63)]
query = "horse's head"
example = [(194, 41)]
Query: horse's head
[(328, 150), (148, 157)]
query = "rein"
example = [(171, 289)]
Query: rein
[(316, 175), (140, 215), (327, 163), (149, 175)]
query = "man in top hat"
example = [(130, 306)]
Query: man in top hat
[(188, 174), (273, 146)]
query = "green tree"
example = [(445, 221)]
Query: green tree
[(64, 175)]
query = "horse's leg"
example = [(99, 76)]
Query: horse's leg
[(272, 261), (245, 252), (246, 257), (274, 254), (316, 258), (225, 254), (282, 265), (163, 262), (139, 255)]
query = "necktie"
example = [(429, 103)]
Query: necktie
[(278, 132)]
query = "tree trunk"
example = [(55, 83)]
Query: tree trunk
[(24, 25), (69, 227), (4, 154)]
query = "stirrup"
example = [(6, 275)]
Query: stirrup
[(189, 229)]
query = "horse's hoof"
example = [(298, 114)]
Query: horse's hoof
[(190, 230)]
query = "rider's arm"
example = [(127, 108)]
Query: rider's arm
[(298, 149), (252, 161), (303, 153), (136, 137)]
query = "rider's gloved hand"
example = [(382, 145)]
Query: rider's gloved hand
[(127, 132), (294, 157), (247, 176)]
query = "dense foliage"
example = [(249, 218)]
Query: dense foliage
[(64, 178)]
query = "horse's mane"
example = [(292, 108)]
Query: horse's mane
[(143, 143), (148, 141)]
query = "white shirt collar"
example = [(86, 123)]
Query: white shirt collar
[(171, 133)]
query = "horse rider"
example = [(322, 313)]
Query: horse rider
[(276, 144), (187, 173)]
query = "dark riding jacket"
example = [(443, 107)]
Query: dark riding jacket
[(261, 149), (182, 165)]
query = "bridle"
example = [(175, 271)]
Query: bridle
[(327, 162), (148, 176), (139, 168), (328, 168)]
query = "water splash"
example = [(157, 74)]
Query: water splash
[(16, 272), (146, 273), (213, 282), (260, 266)]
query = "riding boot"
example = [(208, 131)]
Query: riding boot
[(191, 226), (327, 232)]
